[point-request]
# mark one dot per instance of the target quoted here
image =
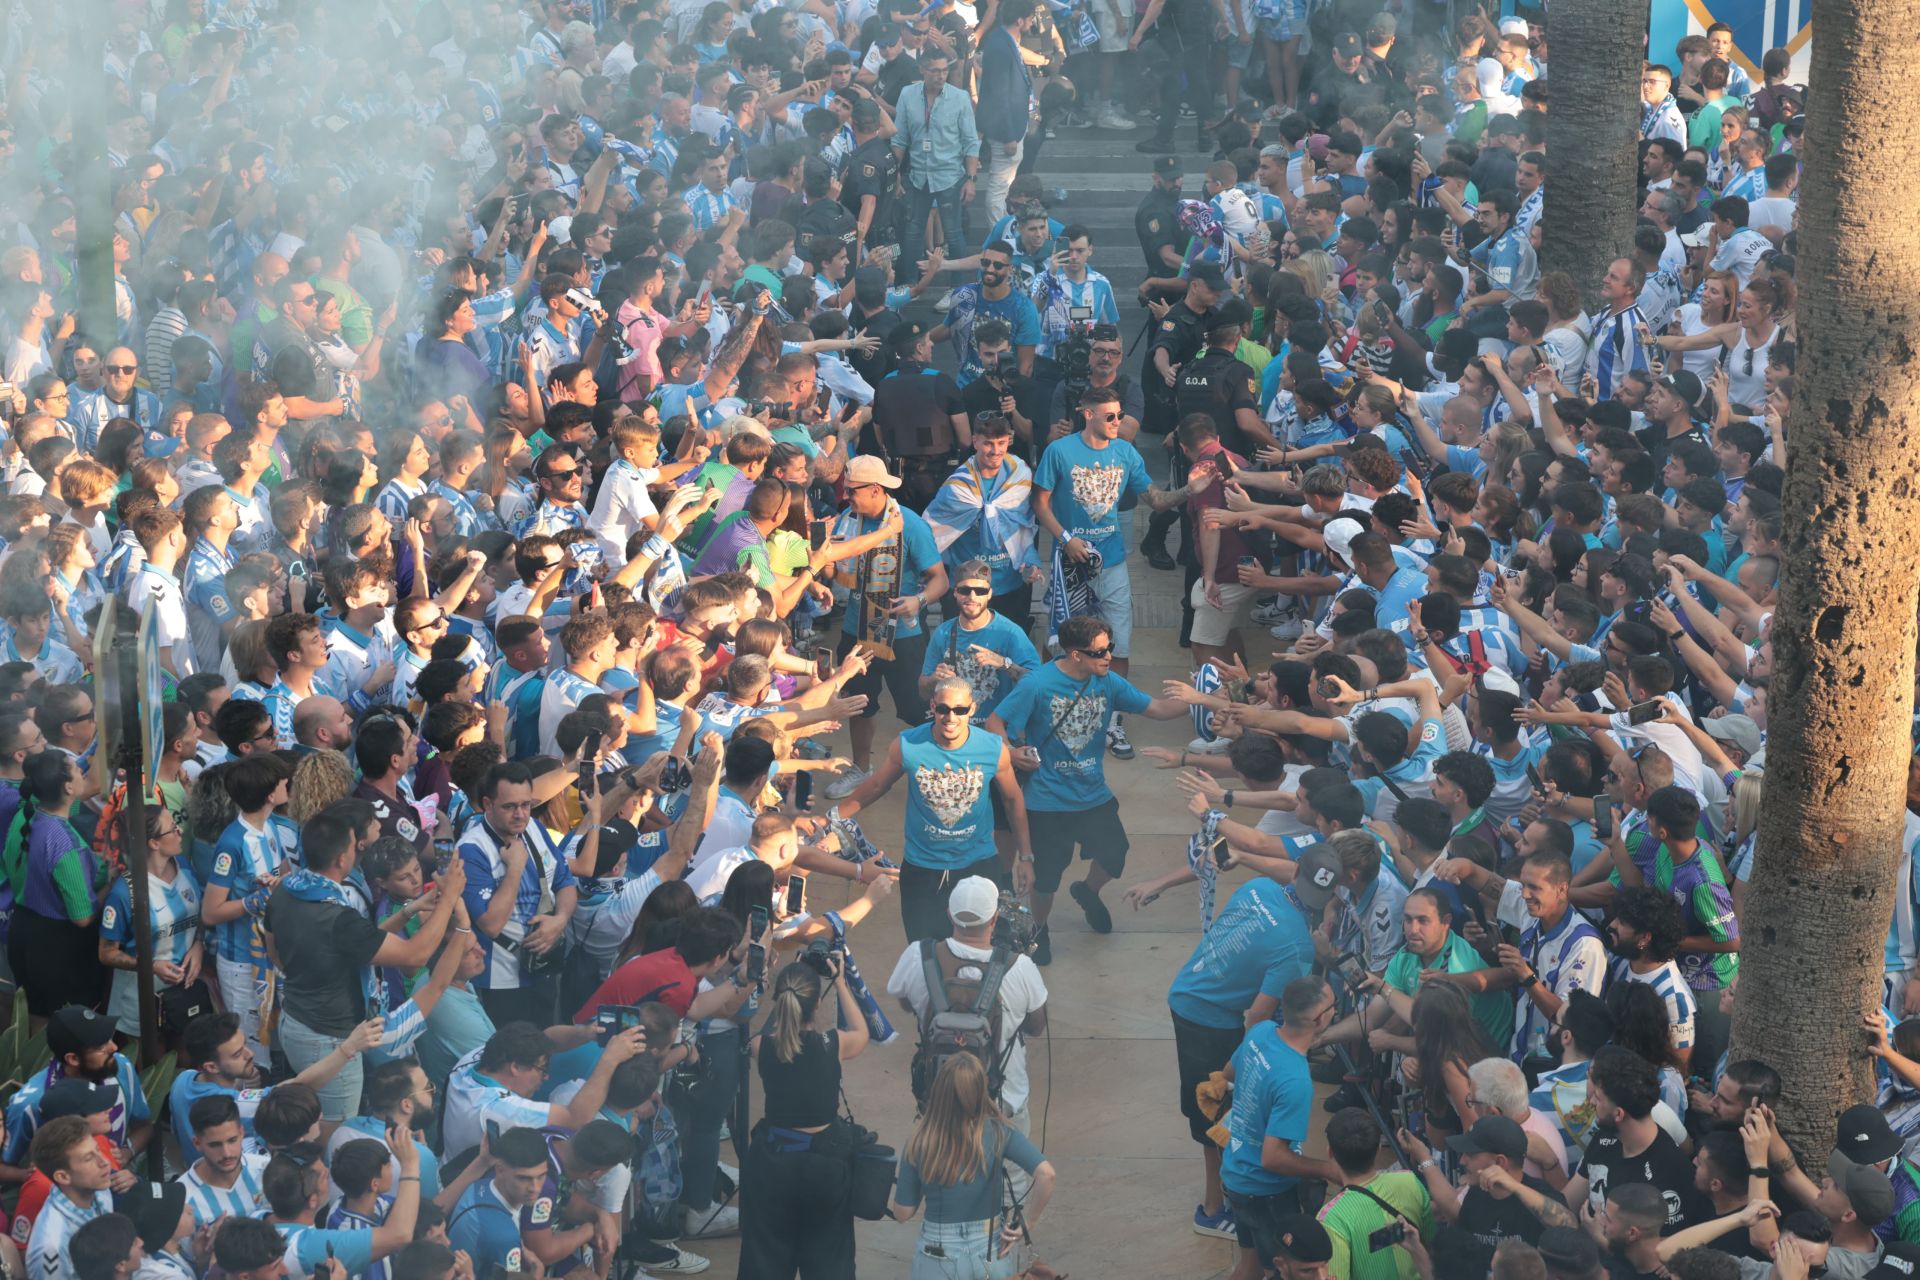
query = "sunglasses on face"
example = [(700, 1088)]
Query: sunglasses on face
[(941, 709), (973, 591), (1105, 651), (121, 368), (562, 475)]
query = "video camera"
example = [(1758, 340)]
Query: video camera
[(1075, 354), (1014, 927)]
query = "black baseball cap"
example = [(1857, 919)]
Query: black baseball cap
[(1491, 1135), (1302, 1239), (1684, 384), (1863, 1135), (1209, 274), (76, 1029), (1346, 45), (76, 1097), (155, 1208)]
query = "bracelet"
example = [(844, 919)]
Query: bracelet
[(1676, 636), (458, 929), (1426, 1164), (409, 1177)]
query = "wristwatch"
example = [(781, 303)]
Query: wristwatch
[(1228, 797), (1023, 857), (1530, 980)]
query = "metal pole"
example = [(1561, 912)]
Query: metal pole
[(133, 817), (91, 177)]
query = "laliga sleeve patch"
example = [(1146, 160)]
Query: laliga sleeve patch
[(217, 603), (513, 1260), (542, 1211), (107, 917), (223, 865)]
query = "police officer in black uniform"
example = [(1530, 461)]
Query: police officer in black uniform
[(872, 170), (1223, 386), (1157, 221), (1176, 340), (919, 418)]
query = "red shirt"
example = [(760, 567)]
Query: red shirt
[(1207, 490), (660, 975)]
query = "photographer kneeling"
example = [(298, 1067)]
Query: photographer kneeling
[(796, 1211)]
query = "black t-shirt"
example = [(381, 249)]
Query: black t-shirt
[(1218, 385), (872, 367), (1662, 1166), (1618, 1268), (1485, 1220), (803, 1093), (1183, 334), (323, 949), (1655, 440), (912, 412), (1029, 397)]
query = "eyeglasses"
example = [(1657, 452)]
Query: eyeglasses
[(268, 736), (941, 709), (1112, 353), (1105, 651), (973, 591), (308, 301), (121, 368)]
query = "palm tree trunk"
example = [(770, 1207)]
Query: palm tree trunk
[(1842, 689), (1595, 50)]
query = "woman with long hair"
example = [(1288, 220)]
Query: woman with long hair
[(954, 1164), (1715, 308), (1502, 445), (796, 1212), (1447, 1040), (1641, 1023), (173, 907), (654, 928), (1742, 345), (320, 780), (58, 885), (1743, 820)]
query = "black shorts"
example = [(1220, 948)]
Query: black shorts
[(900, 673), (999, 811), (1097, 832), (1259, 1220), (1201, 1052)]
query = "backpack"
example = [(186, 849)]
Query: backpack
[(962, 1016)]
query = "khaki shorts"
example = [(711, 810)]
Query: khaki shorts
[(1213, 626)]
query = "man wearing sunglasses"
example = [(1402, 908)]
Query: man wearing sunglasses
[(117, 398), (1059, 716), (961, 783), (561, 480)]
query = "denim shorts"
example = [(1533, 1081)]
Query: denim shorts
[(1114, 590), (340, 1096)]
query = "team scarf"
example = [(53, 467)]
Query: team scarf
[(1200, 861), (311, 886), (879, 1029), (876, 579), (1002, 507), (1070, 589), (1649, 115)]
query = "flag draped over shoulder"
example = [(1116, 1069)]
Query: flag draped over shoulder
[(1002, 504)]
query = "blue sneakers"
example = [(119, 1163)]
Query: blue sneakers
[(1220, 1225)]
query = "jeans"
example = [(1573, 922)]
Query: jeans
[(701, 1119), (1003, 161), (1186, 32), (961, 1251), (237, 993), (340, 1096), (913, 237)]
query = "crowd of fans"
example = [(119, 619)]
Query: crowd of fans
[(743, 379)]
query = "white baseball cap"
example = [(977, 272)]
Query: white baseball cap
[(974, 901), (1339, 535)]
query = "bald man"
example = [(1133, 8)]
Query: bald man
[(117, 397), (321, 723)]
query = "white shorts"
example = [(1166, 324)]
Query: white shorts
[(1215, 627), (1114, 29)]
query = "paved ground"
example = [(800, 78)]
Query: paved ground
[(1103, 1079)]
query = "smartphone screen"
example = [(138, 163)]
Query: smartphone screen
[(1603, 817), (1327, 688), (817, 534), (1533, 778), (1643, 712), (796, 894), (823, 663), (1224, 464), (803, 790), (757, 921)]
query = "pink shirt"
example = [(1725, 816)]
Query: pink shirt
[(1541, 1124)]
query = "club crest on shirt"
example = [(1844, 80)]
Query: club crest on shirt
[(951, 793), (1077, 722), (1097, 489)]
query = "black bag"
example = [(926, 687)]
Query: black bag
[(871, 1184), (182, 1004), (962, 1016)]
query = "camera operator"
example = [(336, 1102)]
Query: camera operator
[(974, 908), (1002, 388), (1104, 354), (796, 1214)]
